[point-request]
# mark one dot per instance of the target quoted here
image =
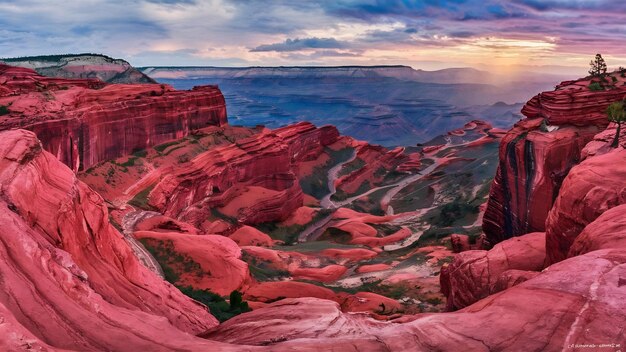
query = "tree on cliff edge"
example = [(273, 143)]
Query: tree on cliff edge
[(616, 113), (598, 66)]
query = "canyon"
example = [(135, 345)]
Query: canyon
[(125, 213)]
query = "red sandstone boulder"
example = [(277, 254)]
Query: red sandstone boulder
[(607, 231), (510, 278), (460, 243), (370, 302), (591, 188), (209, 262), (473, 274), (346, 255), (327, 273), (249, 236), (373, 268), (275, 290), (287, 319)]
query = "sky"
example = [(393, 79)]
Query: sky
[(557, 35)]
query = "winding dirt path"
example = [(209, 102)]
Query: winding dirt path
[(128, 225), (333, 174)]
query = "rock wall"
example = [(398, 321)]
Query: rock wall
[(84, 122), (258, 173), (537, 154), (68, 277)]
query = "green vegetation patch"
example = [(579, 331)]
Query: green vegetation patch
[(595, 86), (140, 200), (161, 147), (289, 234), (4, 110), (351, 167), (218, 306), (316, 184), (171, 261), (336, 235)]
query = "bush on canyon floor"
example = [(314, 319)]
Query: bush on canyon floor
[(4, 110), (452, 212), (218, 306)]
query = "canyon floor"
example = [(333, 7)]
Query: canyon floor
[(373, 232)]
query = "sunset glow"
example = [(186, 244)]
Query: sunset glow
[(423, 34)]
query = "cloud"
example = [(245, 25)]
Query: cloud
[(254, 32), (301, 44)]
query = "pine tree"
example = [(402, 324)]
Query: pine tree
[(616, 113), (598, 66)]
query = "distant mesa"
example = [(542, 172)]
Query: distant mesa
[(85, 65)]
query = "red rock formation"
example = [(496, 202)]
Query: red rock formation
[(83, 122), (473, 274), (573, 103), (607, 231), (537, 154), (249, 236), (211, 262), (564, 309), (252, 180), (68, 276), (459, 243), (591, 188)]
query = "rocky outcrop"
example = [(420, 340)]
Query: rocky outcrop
[(590, 189), (253, 180), (573, 103), (209, 262), (607, 231), (102, 67), (473, 275), (565, 310), (537, 154), (68, 276), (83, 122)]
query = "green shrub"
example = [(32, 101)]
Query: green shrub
[(4, 110), (218, 306), (595, 86)]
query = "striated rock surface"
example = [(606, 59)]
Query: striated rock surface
[(68, 276), (473, 275), (83, 122), (565, 309), (537, 154), (102, 67), (590, 189), (253, 180), (607, 231), (573, 103)]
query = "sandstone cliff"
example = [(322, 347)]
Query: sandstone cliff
[(83, 122), (537, 154), (253, 180)]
